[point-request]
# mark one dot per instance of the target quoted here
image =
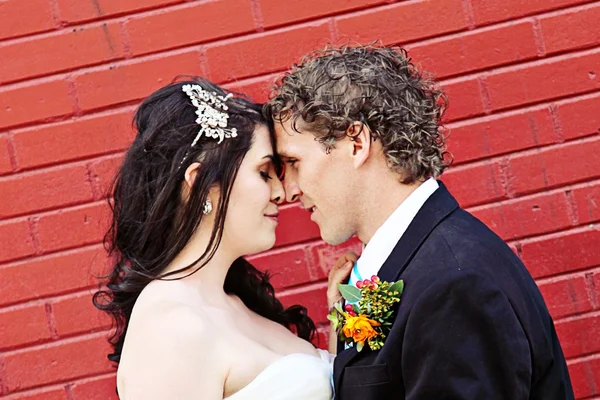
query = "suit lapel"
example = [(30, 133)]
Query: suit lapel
[(439, 205)]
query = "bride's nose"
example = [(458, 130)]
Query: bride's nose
[(277, 191)]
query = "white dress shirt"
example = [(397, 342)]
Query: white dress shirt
[(379, 248)]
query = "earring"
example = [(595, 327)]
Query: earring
[(207, 207)]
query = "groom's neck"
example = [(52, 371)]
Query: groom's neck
[(379, 201)]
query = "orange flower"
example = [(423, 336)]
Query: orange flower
[(360, 328)]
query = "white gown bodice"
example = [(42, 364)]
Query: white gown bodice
[(296, 376)]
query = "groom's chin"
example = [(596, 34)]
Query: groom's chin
[(333, 238)]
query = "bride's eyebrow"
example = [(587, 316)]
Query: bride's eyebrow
[(268, 158)]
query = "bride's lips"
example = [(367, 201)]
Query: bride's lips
[(273, 217)]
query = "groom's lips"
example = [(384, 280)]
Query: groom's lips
[(310, 209)]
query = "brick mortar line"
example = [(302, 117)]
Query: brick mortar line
[(75, 160), (57, 343), (53, 386), (300, 24), (46, 212), (93, 180), (589, 314), (484, 93), (23, 347), (565, 276), (538, 37), (543, 13), (321, 284), (12, 154), (203, 62), (585, 358), (116, 17), (69, 204), (524, 65), (55, 12), (572, 210), (82, 291), (506, 178), (4, 389), (316, 240), (557, 234), (334, 31), (556, 123), (249, 80), (575, 186), (73, 95), (58, 383), (525, 109), (187, 47), (162, 9), (51, 321), (257, 15), (470, 16), (34, 235), (54, 297), (48, 299), (57, 253), (72, 120), (525, 152), (125, 40), (503, 114), (572, 316), (592, 290), (24, 173)]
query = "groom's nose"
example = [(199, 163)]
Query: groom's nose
[(292, 190)]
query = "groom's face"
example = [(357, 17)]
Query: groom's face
[(321, 182)]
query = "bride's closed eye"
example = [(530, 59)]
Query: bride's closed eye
[(265, 175)]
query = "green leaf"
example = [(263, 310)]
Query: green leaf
[(338, 307), (397, 287), (359, 346), (350, 293)]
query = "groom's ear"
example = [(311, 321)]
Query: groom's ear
[(360, 137)]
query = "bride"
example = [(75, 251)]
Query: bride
[(199, 189)]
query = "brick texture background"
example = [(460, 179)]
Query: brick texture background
[(523, 77)]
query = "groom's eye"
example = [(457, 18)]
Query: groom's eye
[(291, 162)]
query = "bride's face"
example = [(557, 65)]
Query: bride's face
[(252, 214)]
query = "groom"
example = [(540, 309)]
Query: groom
[(358, 129)]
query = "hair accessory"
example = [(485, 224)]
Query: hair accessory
[(212, 113)]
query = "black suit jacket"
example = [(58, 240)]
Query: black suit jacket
[(471, 323)]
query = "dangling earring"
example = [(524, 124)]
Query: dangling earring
[(207, 207)]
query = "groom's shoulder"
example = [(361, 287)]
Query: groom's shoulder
[(463, 245), (461, 242), (468, 238)]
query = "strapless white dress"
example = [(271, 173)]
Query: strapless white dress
[(292, 377)]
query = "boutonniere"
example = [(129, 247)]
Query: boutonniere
[(366, 317)]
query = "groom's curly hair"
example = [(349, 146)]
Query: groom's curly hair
[(373, 84)]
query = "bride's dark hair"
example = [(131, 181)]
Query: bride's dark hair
[(151, 223)]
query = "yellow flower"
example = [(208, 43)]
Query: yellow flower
[(360, 328)]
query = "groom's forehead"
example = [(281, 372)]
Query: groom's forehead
[(284, 139)]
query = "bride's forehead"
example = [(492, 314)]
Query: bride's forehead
[(262, 145), (262, 140)]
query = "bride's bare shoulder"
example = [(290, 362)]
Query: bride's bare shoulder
[(167, 310), (166, 338)]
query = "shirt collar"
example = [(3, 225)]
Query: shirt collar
[(379, 248)]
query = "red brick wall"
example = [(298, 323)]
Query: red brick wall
[(524, 86)]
